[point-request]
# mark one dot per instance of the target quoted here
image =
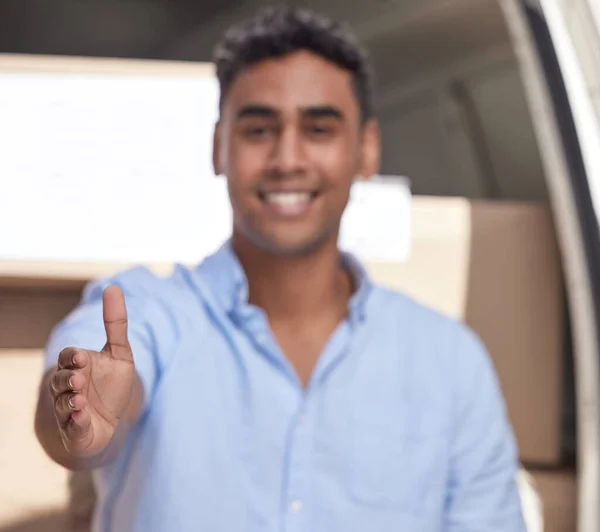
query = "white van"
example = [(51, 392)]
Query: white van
[(492, 101)]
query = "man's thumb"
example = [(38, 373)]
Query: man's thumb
[(114, 313)]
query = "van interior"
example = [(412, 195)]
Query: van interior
[(455, 119)]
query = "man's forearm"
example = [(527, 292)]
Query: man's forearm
[(48, 433)]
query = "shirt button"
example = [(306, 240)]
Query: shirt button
[(296, 506), (262, 338)]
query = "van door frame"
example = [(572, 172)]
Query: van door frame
[(577, 229)]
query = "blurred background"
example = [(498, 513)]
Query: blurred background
[(489, 108)]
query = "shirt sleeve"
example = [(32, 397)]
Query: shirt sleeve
[(84, 326), (483, 492)]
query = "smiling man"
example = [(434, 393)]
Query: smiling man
[(274, 387)]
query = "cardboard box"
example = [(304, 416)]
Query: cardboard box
[(497, 266), (28, 315), (33, 489), (36, 295), (558, 493)]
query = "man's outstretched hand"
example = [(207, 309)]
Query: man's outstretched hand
[(92, 390)]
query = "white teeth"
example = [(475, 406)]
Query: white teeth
[(287, 198)]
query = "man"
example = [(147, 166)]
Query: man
[(274, 387)]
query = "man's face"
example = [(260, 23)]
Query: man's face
[(290, 142)]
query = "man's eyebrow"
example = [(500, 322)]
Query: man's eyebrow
[(256, 110), (323, 111), (311, 111)]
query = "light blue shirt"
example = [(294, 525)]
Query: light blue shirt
[(402, 427)]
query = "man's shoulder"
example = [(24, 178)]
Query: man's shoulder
[(141, 281), (149, 291), (402, 305), (426, 328)]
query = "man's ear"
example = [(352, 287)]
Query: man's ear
[(371, 149), (216, 157)]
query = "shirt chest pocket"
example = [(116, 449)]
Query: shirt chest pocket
[(400, 461)]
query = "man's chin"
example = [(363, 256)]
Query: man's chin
[(288, 246), (292, 249)]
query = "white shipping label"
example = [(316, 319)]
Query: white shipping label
[(376, 224)]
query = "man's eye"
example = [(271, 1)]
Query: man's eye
[(318, 130), (257, 131)]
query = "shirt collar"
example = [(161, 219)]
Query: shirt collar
[(225, 278)]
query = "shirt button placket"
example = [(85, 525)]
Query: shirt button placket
[(298, 475)]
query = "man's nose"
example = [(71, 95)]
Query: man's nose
[(289, 157)]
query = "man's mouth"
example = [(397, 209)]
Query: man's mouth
[(289, 203)]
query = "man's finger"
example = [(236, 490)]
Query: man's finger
[(66, 380), (65, 404), (80, 422), (73, 358), (76, 432), (115, 322)]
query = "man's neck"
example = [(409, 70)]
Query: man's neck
[(295, 287)]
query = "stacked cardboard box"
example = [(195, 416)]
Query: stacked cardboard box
[(497, 266), (33, 490), (558, 492)]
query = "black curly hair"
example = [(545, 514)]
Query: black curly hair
[(280, 30)]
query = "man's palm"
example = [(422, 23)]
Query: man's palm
[(93, 389)]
